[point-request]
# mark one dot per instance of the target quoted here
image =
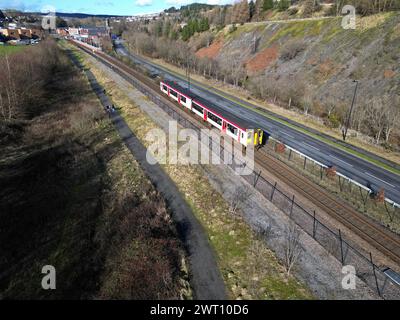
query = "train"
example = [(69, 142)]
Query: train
[(229, 124)]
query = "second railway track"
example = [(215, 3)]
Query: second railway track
[(376, 235)]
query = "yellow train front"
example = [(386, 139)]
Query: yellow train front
[(257, 137)]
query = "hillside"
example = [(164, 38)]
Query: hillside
[(313, 63), (307, 66)]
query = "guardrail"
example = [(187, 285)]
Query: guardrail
[(391, 202)]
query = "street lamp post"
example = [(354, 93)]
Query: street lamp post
[(346, 128), (188, 72)]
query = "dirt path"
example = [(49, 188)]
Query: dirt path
[(206, 280)]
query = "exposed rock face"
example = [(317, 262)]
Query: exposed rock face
[(320, 54)]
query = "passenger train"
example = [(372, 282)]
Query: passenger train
[(229, 124)]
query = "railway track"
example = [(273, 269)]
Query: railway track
[(379, 237)]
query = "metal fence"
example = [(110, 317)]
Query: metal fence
[(331, 240)]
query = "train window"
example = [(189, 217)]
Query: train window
[(232, 129), (173, 93), (183, 99), (165, 88), (214, 118), (197, 107)]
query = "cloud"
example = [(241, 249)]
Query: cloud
[(104, 3), (22, 5), (144, 3), (185, 2)]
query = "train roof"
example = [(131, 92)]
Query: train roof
[(243, 124)]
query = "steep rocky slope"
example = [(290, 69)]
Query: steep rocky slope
[(311, 65)]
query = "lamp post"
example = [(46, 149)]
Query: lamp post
[(346, 128), (188, 72)]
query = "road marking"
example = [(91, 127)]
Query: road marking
[(379, 179), (308, 145), (288, 135), (337, 159)]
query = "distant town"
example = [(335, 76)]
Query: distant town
[(21, 28)]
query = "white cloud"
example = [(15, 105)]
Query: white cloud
[(144, 3), (185, 2)]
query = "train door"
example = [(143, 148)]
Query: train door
[(224, 124)]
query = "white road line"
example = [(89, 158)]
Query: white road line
[(337, 159), (379, 179), (288, 135), (315, 148)]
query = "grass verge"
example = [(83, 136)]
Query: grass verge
[(6, 50)]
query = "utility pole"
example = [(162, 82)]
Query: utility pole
[(346, 128), (188, 72)]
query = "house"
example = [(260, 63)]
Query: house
[(36, 33), (25, 33), (11, 34), (73, 31), (63, 32)]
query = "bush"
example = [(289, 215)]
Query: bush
[(232, 28), (310, 6), (293, 11), (292, 50), (334, 121), (283, 5)]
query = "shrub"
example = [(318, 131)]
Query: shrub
[(334, 121), (232, 28), (292, 50)]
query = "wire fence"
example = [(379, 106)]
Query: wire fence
[(331, 240)]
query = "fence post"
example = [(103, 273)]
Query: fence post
[(256, 177), (341, 247), (314, 226), (273, 191), (291, 207), (290, 154), (376, 279), (321, 172), (305, 163)]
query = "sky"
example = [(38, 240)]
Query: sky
[(111, 7)]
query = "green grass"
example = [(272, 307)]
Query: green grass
[(7, 50), (299, 29)]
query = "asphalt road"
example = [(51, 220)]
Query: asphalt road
[(353, 167)]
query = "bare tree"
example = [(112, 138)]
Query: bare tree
[(391, 116), (292, 247), (239, 196), (376, 117), (307, 102)]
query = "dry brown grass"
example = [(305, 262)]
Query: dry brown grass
[(212, 51), (262, 60), (85, 207)]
